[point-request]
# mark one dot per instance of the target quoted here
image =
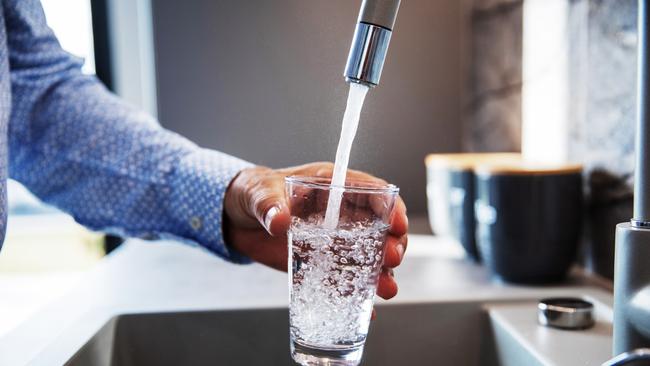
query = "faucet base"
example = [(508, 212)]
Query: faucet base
[(631, 286)]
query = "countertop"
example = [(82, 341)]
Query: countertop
[(167, 276)]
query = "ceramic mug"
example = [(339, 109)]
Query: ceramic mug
[(451, 194), (529, 220)]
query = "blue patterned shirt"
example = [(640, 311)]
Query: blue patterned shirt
[(79, 147)]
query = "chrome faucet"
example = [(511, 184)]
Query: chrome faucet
[(632, 263), (370, 42)]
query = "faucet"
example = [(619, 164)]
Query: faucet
[(632, 259), (370, 42)]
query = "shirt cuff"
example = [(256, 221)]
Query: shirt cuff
[(198, 187)]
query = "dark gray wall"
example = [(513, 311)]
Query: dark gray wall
[(262, 80)]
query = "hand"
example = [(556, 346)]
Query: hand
[(257, 218)]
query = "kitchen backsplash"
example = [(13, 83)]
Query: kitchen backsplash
[(604, 124), (493, 113), (601, 80)]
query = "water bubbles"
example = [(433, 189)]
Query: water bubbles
[(333, 288), (348, 275)]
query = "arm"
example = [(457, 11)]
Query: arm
[(113, 168)]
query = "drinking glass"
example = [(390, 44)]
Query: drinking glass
[(333, 273)]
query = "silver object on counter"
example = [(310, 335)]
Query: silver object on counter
[(565, 313)]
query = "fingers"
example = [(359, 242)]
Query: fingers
[(322, 169), (386, 287), (395, 248), (326, 169), (261, 247), (399, 222), (268, 205)]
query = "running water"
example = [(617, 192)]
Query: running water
[(349, 129)]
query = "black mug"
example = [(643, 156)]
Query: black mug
[(529, 220), (451, 194)]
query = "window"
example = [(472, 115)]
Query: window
[(71, 21)]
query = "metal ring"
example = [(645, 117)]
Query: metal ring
[(565, 313), (640, 223)]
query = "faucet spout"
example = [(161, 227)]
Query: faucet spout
[(370, 42)]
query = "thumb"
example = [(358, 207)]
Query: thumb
[(269, 207)]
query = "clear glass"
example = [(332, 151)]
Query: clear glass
[(333, 273)]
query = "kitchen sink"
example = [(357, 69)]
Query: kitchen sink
[(448, 312), (403, 334), (459, 333)]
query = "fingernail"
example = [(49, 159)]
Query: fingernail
[(268, 219)]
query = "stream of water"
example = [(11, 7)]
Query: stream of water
[(356, 97)]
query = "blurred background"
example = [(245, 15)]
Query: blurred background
[(262, 80)]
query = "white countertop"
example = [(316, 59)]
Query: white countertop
[(165, 276)]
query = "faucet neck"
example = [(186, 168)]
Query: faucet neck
[(381, 13), (642, 170)]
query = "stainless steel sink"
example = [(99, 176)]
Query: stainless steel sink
[(404, 334), (448, 312), (459, 333)]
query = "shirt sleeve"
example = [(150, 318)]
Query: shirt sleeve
[(112, 167)]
